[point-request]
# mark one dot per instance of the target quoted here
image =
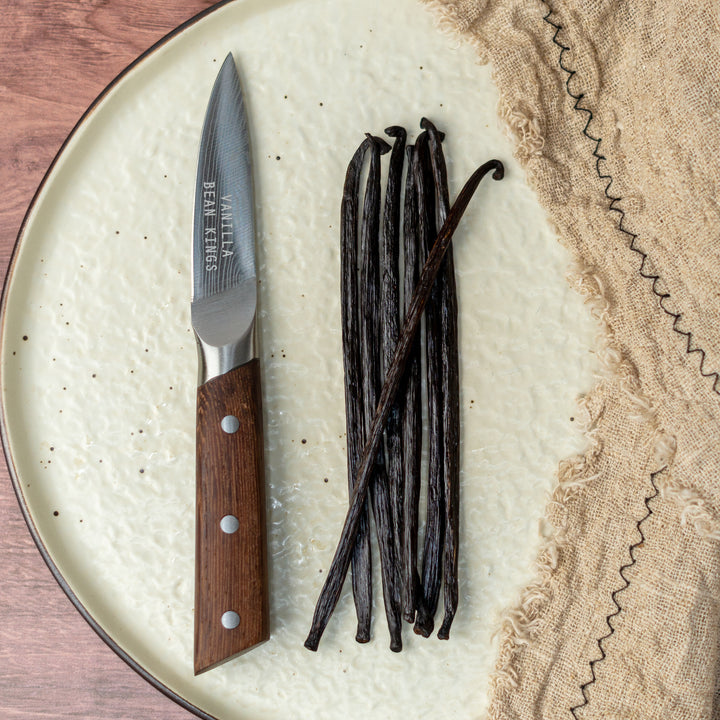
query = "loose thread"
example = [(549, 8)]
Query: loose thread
[(614, 595)]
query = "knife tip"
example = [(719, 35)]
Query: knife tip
[(228, 62)]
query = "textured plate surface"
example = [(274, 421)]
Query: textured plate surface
[(99, 363)]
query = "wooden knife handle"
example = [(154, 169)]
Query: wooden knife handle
[(231, 593)]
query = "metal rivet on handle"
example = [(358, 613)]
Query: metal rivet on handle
[(229, 524), (230, 424), (230, 620)]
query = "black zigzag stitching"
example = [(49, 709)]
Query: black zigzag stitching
[(611, 616), (614, 207)]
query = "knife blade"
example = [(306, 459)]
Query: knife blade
[(231, 594)]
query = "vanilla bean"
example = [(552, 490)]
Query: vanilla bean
[(411, 411), (451, 393), (349, 214), (435, 508), (390, 295), (371, 354), (335, 578)]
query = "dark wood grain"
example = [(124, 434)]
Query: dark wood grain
[(56, 58), (231, 567)]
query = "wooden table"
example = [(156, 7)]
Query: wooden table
[(55, 57)]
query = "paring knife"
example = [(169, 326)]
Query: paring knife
[(231, 595)]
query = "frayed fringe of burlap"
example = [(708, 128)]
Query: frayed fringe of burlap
[(521, 624)]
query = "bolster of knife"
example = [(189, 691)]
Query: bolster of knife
[(231, 590)]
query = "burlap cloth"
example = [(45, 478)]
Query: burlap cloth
[(615, 110)]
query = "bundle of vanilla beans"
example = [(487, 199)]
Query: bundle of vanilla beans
[(397, 270)]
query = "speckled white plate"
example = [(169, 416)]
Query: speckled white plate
[(99, 365)]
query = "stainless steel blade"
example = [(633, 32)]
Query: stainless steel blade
[(224, 292)]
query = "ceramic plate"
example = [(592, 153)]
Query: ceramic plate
[(99, 364)]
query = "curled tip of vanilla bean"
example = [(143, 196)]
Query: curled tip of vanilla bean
[(426, 124), (379, 142), (396, 131)]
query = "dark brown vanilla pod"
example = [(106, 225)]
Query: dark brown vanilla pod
[(371, 355), (435, 508), (451, 423), (335, 578), (411, 408), (354, 413), (451, 393), (390, 297)]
